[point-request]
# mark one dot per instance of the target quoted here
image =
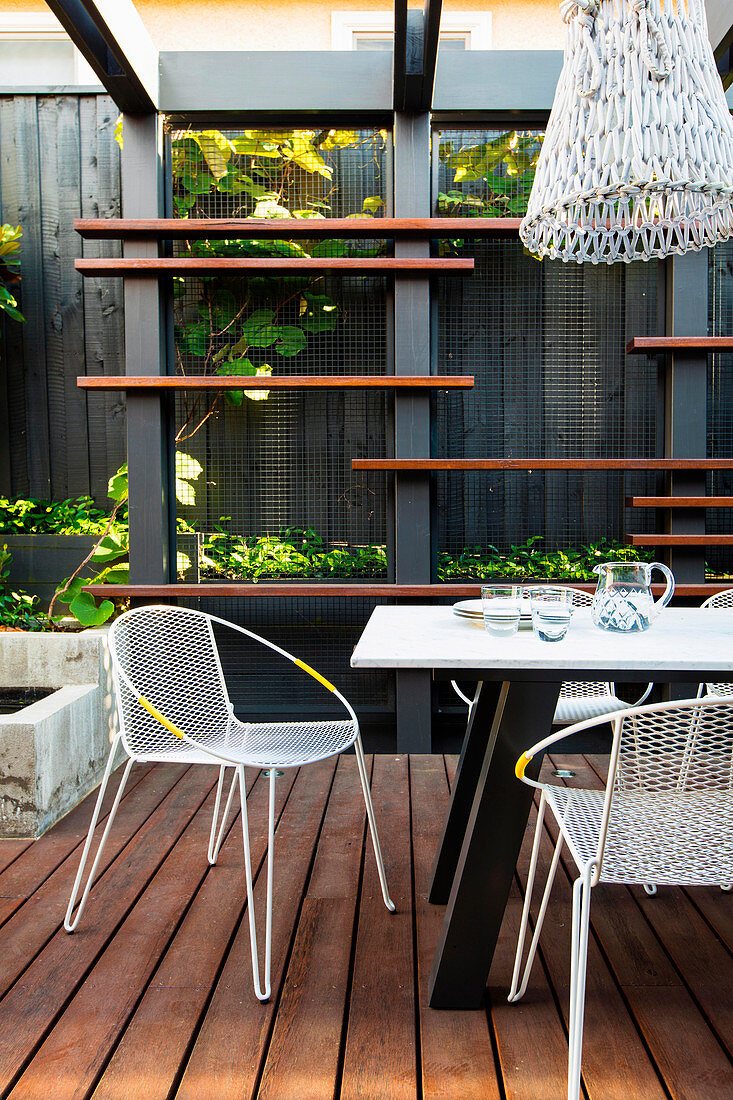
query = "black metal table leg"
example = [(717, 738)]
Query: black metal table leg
[(490, 848), (464, 788)]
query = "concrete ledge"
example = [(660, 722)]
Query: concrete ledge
[(53, 752)]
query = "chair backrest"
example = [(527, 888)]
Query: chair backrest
[(169, 655), (581, 598), (671, 813), (720, 599)]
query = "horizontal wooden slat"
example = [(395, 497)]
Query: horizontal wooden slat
[(239, 265), (679, 502), (462, 590), (680, 540), (290, 228), (469, 464), (276, 382), (649, 345)]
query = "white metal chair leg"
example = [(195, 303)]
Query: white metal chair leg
[(361, 764), (262, 992), (215, 838), (578, 968), (69, 922), (515, 994)]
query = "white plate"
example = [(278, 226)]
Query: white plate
[(468, 607), (472, 609)]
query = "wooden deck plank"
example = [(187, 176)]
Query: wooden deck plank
[(526, 1070), (110, 993), (35, 1001), (616, 1065), (230, 1047), (41, 916), (658, 999), (304, 1050), (168, 1014), (716, 906), (10, 850), (39, 859), (456, 1054), (381, 1054), (161, 962), (701, 959)]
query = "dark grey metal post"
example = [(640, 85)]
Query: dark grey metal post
[(412, 413), (147, 443), (686, 404)]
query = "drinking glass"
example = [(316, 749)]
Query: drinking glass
[(501, 607), (552, 609)]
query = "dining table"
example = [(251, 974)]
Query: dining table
[(519, 680)]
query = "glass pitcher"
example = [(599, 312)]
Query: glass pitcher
[(623, 601)]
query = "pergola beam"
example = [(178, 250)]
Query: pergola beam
[(415, 55), (113, 39)]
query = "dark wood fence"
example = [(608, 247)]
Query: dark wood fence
[(58, 161)]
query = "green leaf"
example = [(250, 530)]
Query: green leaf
[(114, 545), (305, 155), (258, 331), (216, 149), (188, 469), (372, 204), (268, 208), (319, 315), (292, 341), (116, 574), (183, 203), (84, 608), (265, 370), (117, 486), (331, 247), (65, 593), (183, 563), (196, 338), (9, 308)]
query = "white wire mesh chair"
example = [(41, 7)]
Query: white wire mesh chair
[(173, 705), (578, 699), (720, 689), (665, 816), (583, 699)]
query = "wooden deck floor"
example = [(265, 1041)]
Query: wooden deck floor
[(152, 997)]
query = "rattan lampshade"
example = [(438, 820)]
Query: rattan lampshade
[(637, 160)]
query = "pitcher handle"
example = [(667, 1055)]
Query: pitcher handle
[(669, 590)]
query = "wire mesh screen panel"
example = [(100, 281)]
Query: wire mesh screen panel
[(264, 484), (321, 632), (719, 521), (546, 342)]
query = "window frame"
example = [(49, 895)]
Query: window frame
[(475, 25), (36, 26)]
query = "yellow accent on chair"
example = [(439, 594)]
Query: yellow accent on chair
[(316, 675), (160, 717), (521, 765)]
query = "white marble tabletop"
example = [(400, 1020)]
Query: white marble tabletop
[(426, 636)]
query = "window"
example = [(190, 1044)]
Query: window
[(36, 51), (374, 30)]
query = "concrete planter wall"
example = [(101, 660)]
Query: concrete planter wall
[(39, 562), (53, 752)]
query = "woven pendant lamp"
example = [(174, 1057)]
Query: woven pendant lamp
[(637, 161)]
